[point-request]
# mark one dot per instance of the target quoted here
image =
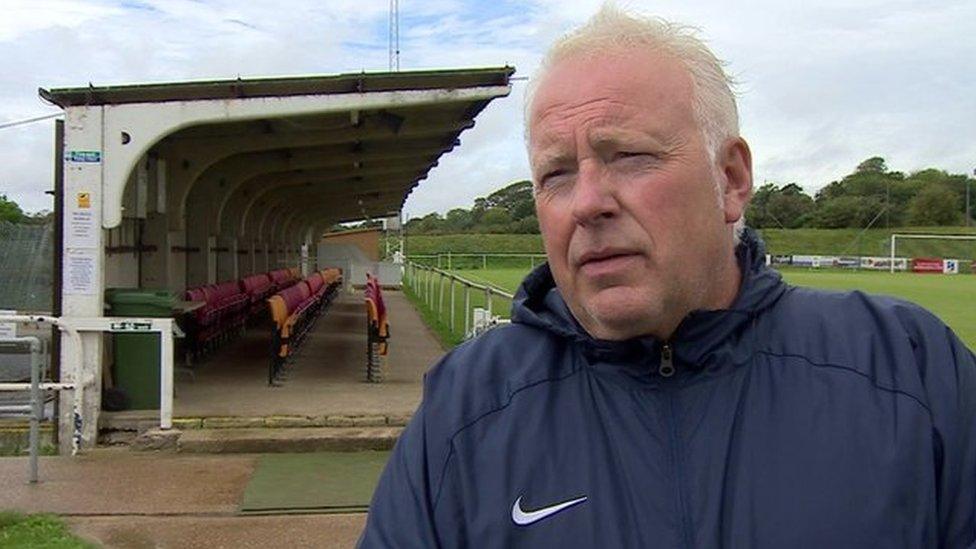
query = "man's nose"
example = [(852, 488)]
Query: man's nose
[(593, 195)]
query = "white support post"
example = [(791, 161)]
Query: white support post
[(467, 310), (166, 374), (892, 250), (165, 327), (211, 254), (83, 281), (452, 303), (440, 296)]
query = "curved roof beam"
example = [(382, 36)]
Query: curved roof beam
[(395, 176), (218, 182), (295, 225), (316, 205), (240, 197), (340, 204)]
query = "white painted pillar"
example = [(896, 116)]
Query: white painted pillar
[(177, 261), (154, 265), (197, 260), (83, 282), (227, 263), (253, 257), (211, 258)]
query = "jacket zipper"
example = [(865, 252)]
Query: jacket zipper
[(679, 480), (666, 369)]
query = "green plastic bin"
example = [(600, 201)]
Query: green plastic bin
[(137, 366)]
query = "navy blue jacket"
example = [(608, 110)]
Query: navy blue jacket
[(796, 418)]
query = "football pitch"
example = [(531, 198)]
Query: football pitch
[(952, 298)]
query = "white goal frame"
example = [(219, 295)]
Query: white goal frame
[(895, 237)]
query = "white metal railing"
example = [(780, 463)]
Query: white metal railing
[(449, 260), (165, 327), (428, 283), (78, 388), (35, 409)]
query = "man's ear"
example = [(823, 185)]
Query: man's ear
[(735, 161)]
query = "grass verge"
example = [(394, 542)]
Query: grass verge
[(445, 337), (41, 531)]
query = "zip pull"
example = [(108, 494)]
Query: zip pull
[(666, 369)]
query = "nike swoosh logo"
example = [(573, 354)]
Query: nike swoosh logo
[(524, 518)]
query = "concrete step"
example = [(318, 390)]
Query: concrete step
[(142, 420), (298, 439)]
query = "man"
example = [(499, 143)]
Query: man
[(659, 385)]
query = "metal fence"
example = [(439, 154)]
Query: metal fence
[(452, 299), (26, 266), (466, 261)]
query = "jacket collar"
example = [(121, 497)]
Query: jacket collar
[(704, 339)]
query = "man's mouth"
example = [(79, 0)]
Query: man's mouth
[(605, 261)]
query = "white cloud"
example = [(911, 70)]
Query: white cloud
[(824, 85)]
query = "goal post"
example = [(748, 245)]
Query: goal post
[(895, 237)]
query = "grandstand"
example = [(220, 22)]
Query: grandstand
[(219, 191)]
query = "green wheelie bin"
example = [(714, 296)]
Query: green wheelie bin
[(137, 366)]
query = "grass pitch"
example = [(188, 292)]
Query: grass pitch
[(952, 298)]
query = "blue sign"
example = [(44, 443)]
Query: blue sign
[(83, 156)]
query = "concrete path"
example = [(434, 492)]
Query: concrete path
[(326, 531), (124, 499)]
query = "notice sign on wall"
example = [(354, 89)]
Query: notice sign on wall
[(81, 227), (79, 271)]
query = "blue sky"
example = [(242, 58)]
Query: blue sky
[(822, 87)]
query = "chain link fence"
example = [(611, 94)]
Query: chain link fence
[(26, 267)]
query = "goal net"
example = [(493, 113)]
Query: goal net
[(944, 246)]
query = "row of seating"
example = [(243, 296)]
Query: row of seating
[(377, 330), (228, 306), (294, 311)]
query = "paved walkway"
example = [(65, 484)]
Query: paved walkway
[(123, 499), (325, 531)]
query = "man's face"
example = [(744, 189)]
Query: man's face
[(626, 193)]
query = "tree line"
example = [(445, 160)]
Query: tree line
[(11, 212), (510, 210), (872, 195)]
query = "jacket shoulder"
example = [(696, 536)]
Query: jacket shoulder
[(876, 336), (482, 374)]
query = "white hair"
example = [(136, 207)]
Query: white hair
[(614, 29)]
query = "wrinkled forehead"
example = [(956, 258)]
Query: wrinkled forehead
[(615, 84), (626, 91)]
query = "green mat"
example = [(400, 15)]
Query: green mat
[(321, 482)]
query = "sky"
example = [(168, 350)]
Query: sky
[(821, 85)]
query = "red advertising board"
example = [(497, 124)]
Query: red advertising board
[(927, 265)]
